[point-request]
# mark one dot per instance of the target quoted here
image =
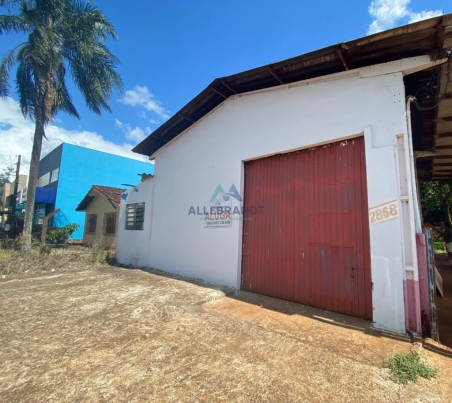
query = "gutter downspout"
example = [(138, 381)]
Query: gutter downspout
[(412, 287), (417, 214)]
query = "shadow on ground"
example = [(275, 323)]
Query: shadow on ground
[(285, 307)]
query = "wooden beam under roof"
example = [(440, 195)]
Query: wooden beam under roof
[(439, 37), (218, 92), (185, 117), (342, 57), (275, 74), (447, 147), (228, 87), (444, 135), (437, 120), (436, 98)]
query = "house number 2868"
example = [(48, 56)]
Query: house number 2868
[(384, 212)]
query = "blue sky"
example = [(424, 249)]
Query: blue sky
[(172, 50)]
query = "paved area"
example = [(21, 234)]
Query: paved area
[(119, 335)]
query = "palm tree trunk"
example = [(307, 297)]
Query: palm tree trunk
[(32, 183)]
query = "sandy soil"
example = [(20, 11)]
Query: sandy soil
[(122, 335)]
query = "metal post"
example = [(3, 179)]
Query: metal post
[(45, 223), (434, 332), (16, 186)]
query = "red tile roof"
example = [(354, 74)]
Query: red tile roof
[(112, 194)]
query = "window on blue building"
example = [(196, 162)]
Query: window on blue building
[(54, 175)]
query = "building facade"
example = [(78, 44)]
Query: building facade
[(298, 181), (70, 171), (8, 190)]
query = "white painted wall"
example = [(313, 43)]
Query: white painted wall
[(133, 245), (189, 168)]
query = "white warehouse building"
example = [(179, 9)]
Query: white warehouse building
[(298, 180)]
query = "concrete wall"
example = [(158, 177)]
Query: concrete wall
[(100, 205), (213, 151), (80, 169), (22, 185), (133, 245)]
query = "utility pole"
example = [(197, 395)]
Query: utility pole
[(16, 186)]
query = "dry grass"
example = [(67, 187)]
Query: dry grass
[(14, 263), (118, 335)]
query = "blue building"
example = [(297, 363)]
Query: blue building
[(68, 172)]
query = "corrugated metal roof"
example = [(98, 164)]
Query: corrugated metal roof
[(427, 37)]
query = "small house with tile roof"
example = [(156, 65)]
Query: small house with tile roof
[(101, 219), (67, 173)]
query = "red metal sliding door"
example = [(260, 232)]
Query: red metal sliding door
[(306, 228)]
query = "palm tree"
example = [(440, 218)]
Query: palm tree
[(65, 37)]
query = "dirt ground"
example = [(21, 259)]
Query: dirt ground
[(444, 304), (121, 335)]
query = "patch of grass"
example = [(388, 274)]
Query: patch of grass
[(98, 254), (5, 253), (408, 367), (438, 246)]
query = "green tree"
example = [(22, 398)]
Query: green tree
[(436, 200), (65, 37)]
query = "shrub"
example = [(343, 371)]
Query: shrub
[(61, 235), (99, 254), (407, 367)]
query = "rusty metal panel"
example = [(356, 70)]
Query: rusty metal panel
[(433, 323), (268, 250), (310, 241)]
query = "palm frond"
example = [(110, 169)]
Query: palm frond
[(26, 90), (61, 32), (92, 65), (5, 3), (89, 19), (6, 65), (13, 23), (62, 99)]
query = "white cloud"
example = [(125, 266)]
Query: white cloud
[(136, 135), (16, 137), (154, 122), (387, 14), (142, 97)]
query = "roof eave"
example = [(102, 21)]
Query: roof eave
[(365, 51)]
